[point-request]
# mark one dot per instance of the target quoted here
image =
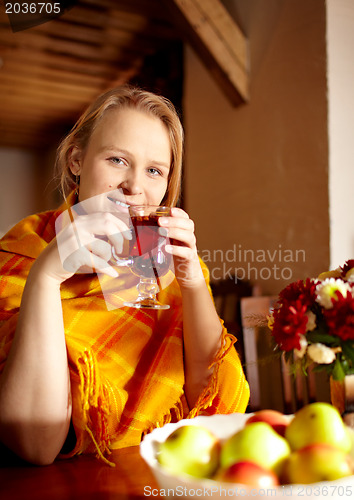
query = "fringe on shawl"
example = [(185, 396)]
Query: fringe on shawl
[(176, 412), (206, 398), (95, 405)]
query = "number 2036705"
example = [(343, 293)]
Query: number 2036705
[(322, 491), (32, 8)]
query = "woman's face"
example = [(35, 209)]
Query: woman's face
[(129, 151)]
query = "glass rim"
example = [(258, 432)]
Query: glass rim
[(157, 209)]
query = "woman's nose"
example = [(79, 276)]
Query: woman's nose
[(131, 184)]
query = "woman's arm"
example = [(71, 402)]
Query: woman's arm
[(35, 397), (35, 405), (201, 336), (201, 325)]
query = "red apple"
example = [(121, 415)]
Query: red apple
[(274, 418), (248, 473)]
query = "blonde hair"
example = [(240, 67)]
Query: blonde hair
[(125, 97)]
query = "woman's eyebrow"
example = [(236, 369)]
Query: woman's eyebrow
[(114, 149), (160, 164), (117, 149)]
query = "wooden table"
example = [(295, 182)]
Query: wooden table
[(83, 477)]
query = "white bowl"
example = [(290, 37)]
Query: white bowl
[(224, 426)]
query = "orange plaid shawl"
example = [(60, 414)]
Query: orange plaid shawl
[(126, 364)]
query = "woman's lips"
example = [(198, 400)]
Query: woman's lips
[(118, 202)]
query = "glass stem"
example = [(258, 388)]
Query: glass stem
[(147, 288)]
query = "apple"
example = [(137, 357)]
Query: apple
[(257, 442), (316, 462), (318, 423), (248, 473), (350, 431), (336, 273), (190, 449), (274, 418)]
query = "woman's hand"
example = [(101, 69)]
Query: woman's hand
[(183, 247), (83, 245)]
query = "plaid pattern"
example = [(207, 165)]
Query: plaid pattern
[(126, 365)]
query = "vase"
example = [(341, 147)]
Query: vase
[(342, 397)]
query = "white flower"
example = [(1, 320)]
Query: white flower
[(299, 353), (326, 291), (321, 354), (350, 275), (311, 321)]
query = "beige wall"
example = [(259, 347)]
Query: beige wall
[(26, 184), (340, 36), (17, 186), (256, 176)]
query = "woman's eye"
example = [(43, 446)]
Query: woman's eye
[(117, 161), (154, 171)]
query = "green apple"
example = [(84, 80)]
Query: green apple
[(316, 462), (190, 449), (257, 442), (318, 423), (248, 473), (350, 431)]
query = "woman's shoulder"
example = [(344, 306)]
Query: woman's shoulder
[(41, 223), (31, 234)]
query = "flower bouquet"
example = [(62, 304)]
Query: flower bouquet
[(313, 322)]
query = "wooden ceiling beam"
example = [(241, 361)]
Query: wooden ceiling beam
[(218, 41)]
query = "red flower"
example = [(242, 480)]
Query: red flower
[(303, 291), (340, 318), (290, 322), (348, 265)]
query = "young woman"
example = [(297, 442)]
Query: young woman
[(77, 377)]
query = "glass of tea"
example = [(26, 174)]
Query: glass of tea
[(148, 258)]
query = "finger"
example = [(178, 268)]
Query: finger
[(101, 248), (181, 222), (102, 266), (87, 228), (182, 236), (179, 212), (117, 240), (83, 259), (182, 252), (100, 224), (84, 230)]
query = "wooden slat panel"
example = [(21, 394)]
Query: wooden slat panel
[(148, 8), (20, 68), (68, 62), (116, 44), (51, 72), (33, 84)]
